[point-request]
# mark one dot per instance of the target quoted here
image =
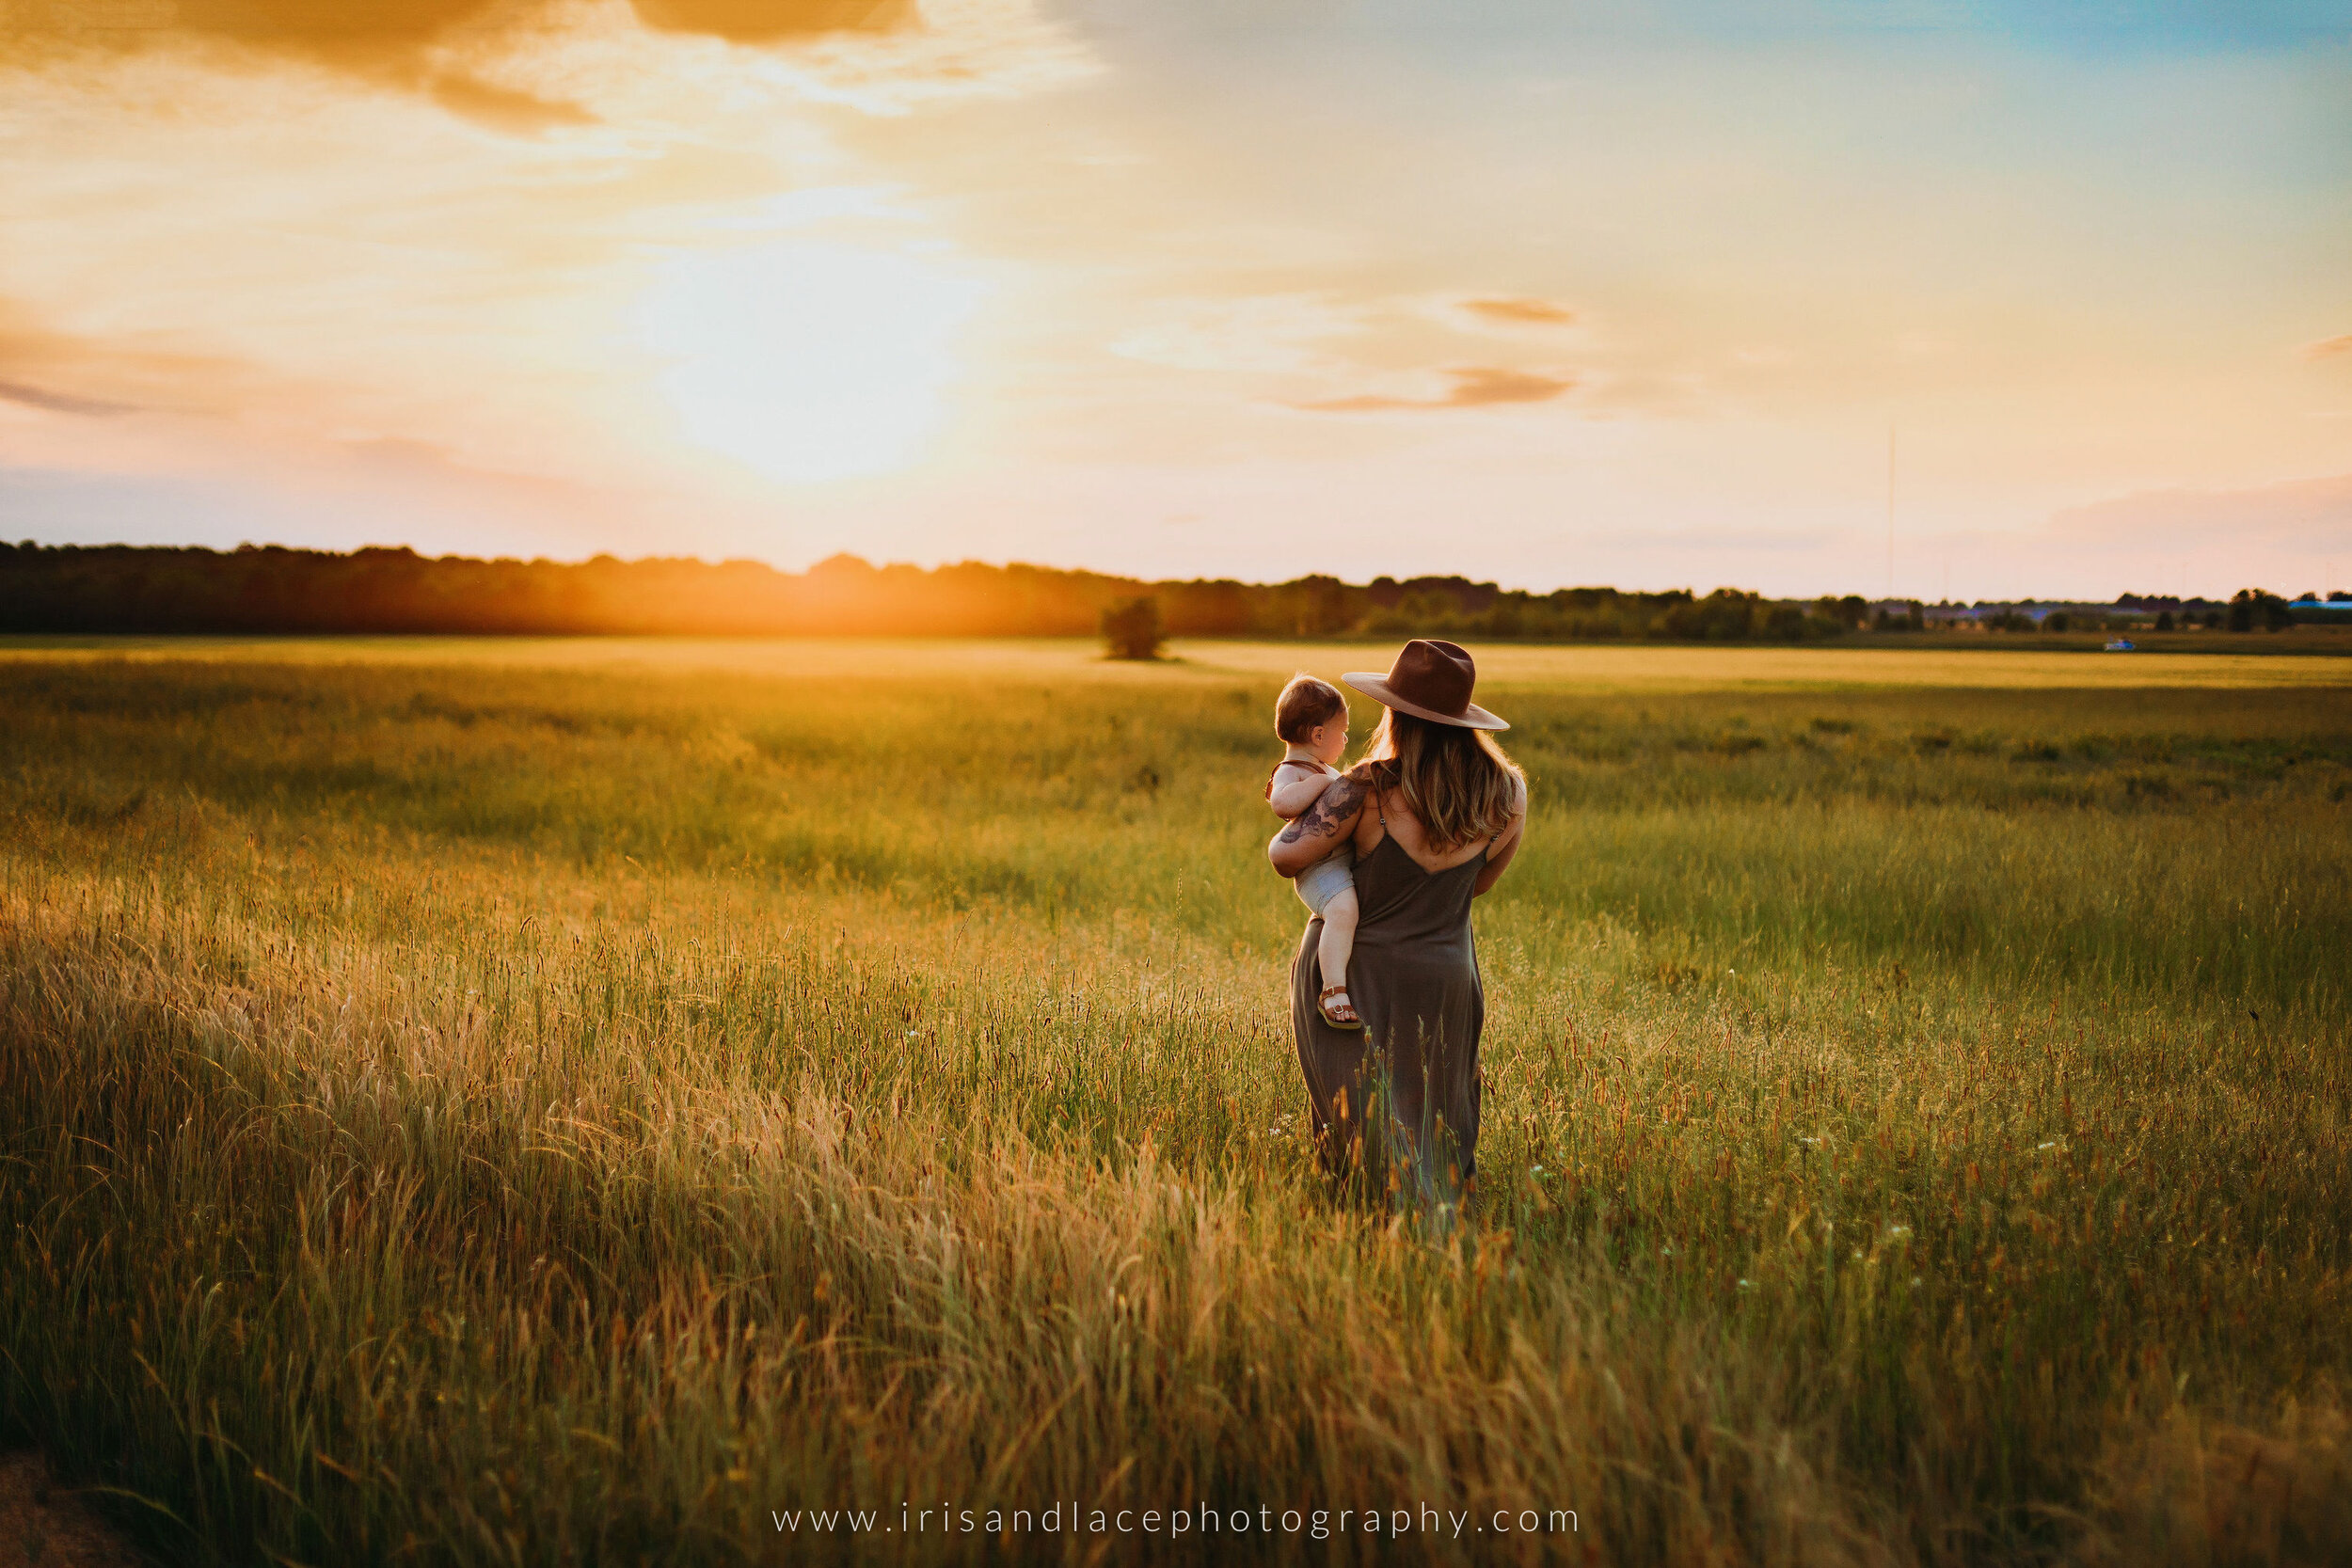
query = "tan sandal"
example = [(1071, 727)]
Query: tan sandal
[(1323, 1005)]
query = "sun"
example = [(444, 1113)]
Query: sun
[(807, 362)]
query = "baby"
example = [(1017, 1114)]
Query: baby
[(1311, 720)]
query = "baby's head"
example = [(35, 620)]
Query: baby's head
[(1313, 713)]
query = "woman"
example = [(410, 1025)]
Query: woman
[(1434, 812)]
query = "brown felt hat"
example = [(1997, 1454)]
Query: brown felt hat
[(1429, 680)]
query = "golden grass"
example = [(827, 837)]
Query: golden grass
[(463, 1113)]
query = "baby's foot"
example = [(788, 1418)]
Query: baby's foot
[(1338, 1014)]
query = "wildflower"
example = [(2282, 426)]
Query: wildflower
[(1534, 1170), (1747, 1284), (1898, 1233)]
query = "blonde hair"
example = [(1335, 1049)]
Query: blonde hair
[(1455, 779)]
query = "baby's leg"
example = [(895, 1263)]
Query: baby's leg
[(1339, 937)]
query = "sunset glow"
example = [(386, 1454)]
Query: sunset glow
[(807, 363), (1615, 293)]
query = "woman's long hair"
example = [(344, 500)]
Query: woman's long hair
[(1455, 779)]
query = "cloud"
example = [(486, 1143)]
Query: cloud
[(362, 32), (412, 44), (1474, 386), (58, 402), (1536, 313), (134, 377), (773, 21), (505, 109), (2327, 346)]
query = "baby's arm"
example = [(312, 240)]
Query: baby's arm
[(1291, 797)]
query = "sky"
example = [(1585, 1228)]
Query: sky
[(1965, 298)]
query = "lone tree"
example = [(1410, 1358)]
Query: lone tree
[(2254, 607), (1131, 628)]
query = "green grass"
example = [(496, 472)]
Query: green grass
[(457, 1111)]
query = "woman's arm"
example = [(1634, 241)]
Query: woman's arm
[(1330, 823), (1506, 847)]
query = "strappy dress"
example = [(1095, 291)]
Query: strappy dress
[(1396, 1102)]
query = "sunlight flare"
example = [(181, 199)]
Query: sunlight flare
[(808, 362)]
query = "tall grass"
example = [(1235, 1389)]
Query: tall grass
[(490, 1116)]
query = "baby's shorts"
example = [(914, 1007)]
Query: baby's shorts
[(1327, 877)]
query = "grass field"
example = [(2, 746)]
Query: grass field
[(580, 1102)]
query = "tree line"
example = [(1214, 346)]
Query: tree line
[(269, 589)]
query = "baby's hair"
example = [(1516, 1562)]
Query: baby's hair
[(1304, 704)]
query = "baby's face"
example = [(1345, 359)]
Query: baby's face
[(1329, 740)]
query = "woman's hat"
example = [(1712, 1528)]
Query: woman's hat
[(1429, 680)]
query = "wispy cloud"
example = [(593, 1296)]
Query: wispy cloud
[(1520, 311), (395, 35), (504, 108), (58, 402), (525, 67), (2329, 346), (1474, 386), (37, 362), (770, 20)]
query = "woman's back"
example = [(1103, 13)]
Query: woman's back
[(1389, 815)]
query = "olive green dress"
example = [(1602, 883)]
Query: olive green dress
[(1395, 1103)]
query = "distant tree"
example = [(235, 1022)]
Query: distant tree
[(1727, 615), (1131, 628), (270, 589), (2056, 621), (2252, 607), (1852, 611), (2163, 620)]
